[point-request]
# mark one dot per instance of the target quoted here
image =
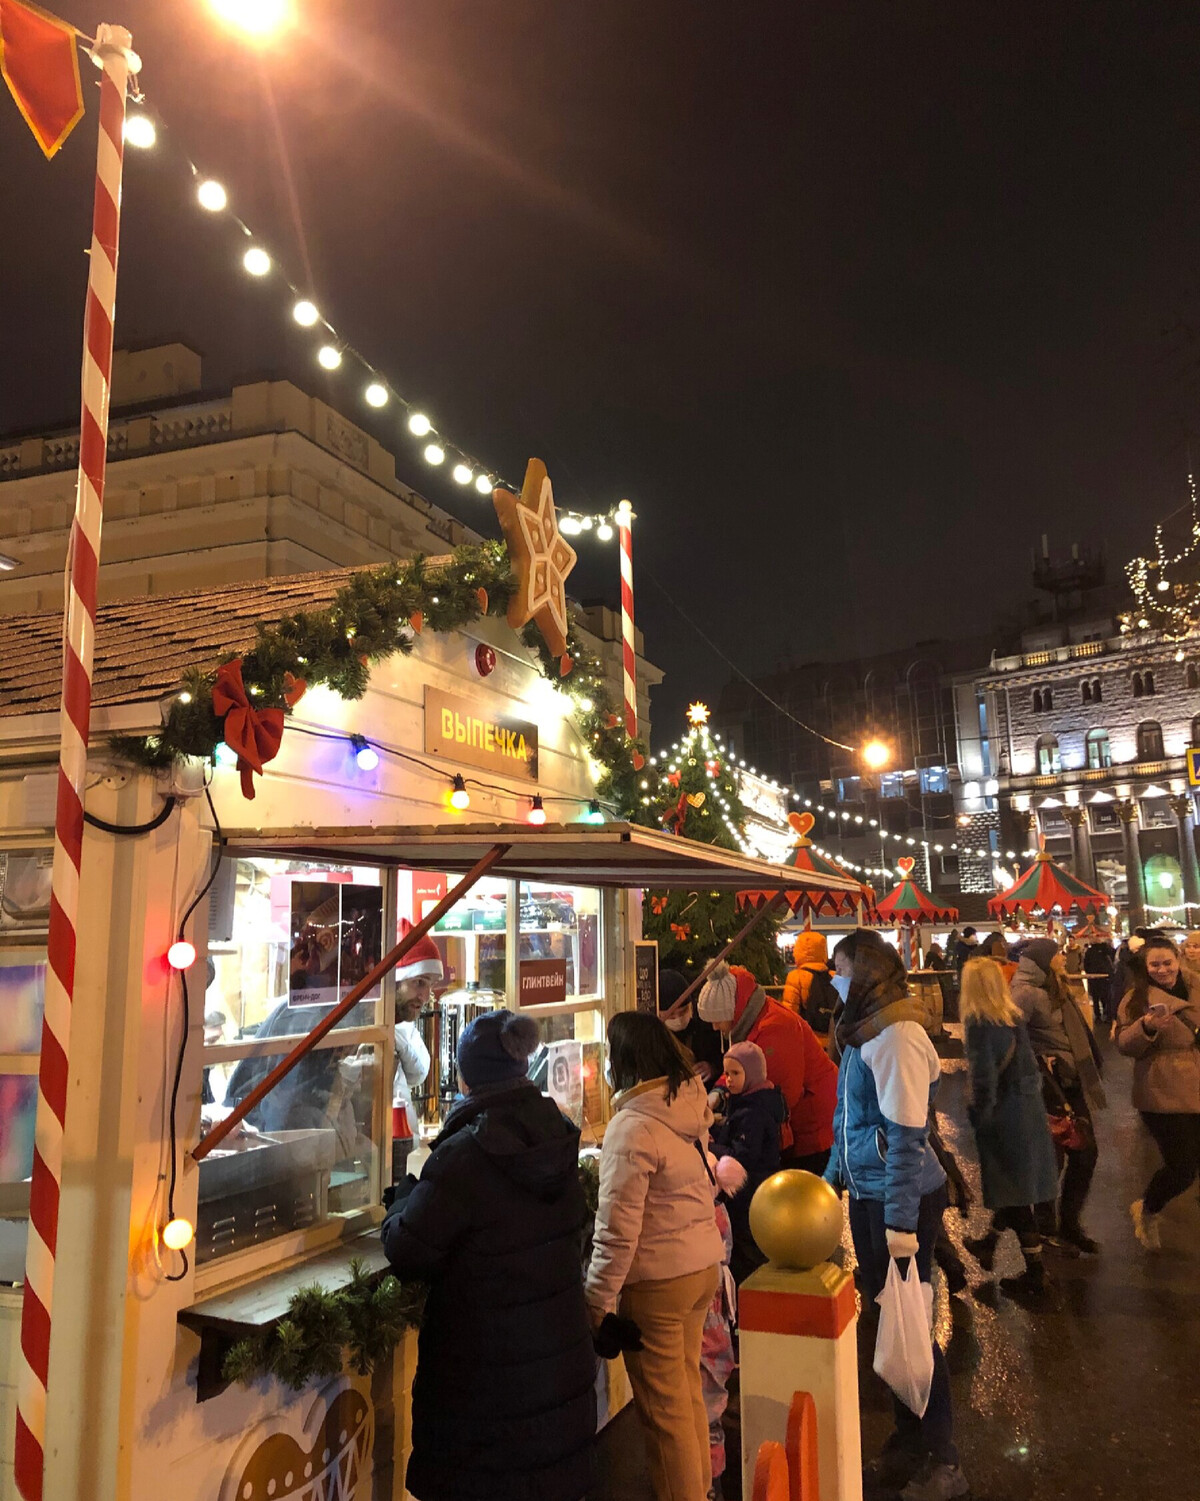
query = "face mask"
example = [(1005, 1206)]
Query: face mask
[(841, 983), (608, 1073), (678, 1023)]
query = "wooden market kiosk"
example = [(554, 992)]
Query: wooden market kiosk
[(328, 844)]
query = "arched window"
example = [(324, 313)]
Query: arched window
[(1192, 675), (1085, 692), (1049, 763), (1037, 700), (1148, 683), (1043, 701), (1150, 741), (1097, 692), (1099, 752), (1138, 687)]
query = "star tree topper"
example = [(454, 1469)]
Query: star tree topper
[(541, 558)]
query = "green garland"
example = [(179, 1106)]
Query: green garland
[(366, 1318), (370, 620)]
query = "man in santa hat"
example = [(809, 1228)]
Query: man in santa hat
[(416, 975)]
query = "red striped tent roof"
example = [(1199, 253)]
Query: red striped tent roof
[(812, 900), (1046, 887), (909, 904)]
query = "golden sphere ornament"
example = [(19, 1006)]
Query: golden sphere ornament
[(796, 1219)]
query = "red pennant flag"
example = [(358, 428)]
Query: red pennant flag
[(40, 64)]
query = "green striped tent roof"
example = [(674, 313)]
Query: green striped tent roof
[(1047, 887), (909, 904)]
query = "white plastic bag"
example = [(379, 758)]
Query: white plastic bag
[(904, 1344)]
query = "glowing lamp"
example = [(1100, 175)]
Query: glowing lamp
[(625, 512), (419, 424), (537, 813), (460, 798), (569, 526), (376, 394), (305, 313), (211, 196), (604, 531), (181, 954), (1163, 586), (595, 813), (226, 756), (329, 357), (258, 18), (434, 453), (256, 261), (462, 474), (483, 483), (139, 131), (1166, 880), (367, 757), (177, 1234), (876, 754)]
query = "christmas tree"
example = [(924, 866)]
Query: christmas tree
[(692, 792), (1166, 583)]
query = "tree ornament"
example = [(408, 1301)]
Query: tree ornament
[(658, 905), (565, 664), (294, 689), (639, 761), (681, 931), (675, 818), (481, 598), (695, 799), (713, 768), (542, 560), (417, 621), (673, 778)]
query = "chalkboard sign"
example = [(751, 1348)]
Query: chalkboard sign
[(645, 975)]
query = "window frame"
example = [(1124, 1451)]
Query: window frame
[(14, 1193), (1143, 729)]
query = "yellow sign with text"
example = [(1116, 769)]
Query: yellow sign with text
[(1193, 765), (458, 730)]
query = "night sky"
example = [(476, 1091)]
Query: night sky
[(852, 301)]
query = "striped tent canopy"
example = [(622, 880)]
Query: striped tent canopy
[(812, 901), (909, 904), (1046, 887)]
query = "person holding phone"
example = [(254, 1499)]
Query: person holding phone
[(1158, 1024)]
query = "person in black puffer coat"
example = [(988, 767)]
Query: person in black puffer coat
[(503, 1405), (746, 1145)]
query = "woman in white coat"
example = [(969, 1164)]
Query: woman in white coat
[(657, 1250)]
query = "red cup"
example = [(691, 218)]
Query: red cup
[(400, 1127)]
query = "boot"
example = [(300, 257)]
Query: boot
[(1145, 1227), (983, 1248), (936, 1482), (1032, 1282)]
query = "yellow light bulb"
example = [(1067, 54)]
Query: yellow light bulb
[(876, 754), (177, 1234)]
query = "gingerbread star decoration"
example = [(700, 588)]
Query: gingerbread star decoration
[(541, 559)]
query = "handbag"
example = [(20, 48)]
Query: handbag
[(1070, 1131)]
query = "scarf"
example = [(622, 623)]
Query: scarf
[(878, 997), (1083, 1048), (754, 1009)]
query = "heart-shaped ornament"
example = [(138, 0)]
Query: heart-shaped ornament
[(905, 865), (695, 799)]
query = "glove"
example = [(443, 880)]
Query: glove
[(394, 1194), (615, 1334), (901, 1243)]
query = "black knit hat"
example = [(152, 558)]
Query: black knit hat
[(496, 1048)]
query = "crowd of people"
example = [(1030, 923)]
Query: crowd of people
[(840, 1078)]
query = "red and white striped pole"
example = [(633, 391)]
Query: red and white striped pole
[(113, 54), (625, 532)]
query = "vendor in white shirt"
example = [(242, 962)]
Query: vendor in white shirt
[(416, 976)]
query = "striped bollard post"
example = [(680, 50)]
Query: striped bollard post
[(798, 1320), (113, 54), (625, 532)]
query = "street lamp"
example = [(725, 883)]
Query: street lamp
[(258, 18), (876, 755)]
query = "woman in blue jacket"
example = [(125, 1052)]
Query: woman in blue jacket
[(882, 1158)]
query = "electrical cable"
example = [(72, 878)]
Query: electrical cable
[(218, 855), (156, 822)]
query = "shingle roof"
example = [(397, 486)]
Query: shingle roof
[(143, 645)]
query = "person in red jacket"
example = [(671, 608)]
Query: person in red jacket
[(734, 1002)]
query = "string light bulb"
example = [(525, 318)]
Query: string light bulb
[(604, 531), (177, 1234), (211, 196), (365, 753), (256, 261), (329, 357), (483, 483), (305, 313), (376, 394), (462, 474), (139, 131), (181, 954), (595, 813), (569, 526), (434, 453), (537, 812), (460, 798), (419, 424)]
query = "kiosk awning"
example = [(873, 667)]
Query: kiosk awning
[(611, 854)]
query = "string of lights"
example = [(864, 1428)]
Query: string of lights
[(1163, 603), (332, 351)]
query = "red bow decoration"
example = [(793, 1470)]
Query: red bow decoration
[(253, 734), (674, 818), (681, 931), (658, 905), (673, 778)]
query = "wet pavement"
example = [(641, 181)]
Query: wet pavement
[(1095, 1397)]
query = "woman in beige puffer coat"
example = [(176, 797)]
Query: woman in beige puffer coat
[(657, 1250), (1157, 1026)]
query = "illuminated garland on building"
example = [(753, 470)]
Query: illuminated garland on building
[(1166, 599)]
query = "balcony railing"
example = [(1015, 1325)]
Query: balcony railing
[(177, 427), (1125, 772), (1055, 654)]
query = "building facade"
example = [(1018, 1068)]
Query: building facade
[(263, 481)]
